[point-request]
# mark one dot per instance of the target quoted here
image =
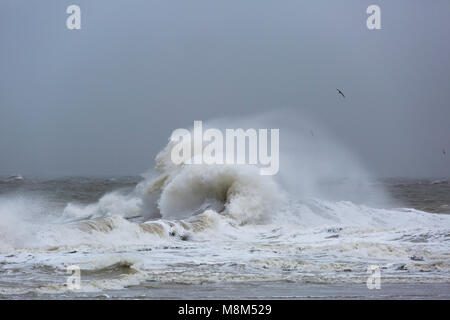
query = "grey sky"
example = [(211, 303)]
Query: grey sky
[(104, 99)]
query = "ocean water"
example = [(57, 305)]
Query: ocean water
[(199, 231)]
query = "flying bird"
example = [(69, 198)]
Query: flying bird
[(340, 92)]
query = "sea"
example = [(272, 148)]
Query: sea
[(222, 232)]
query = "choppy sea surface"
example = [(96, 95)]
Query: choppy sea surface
[(127, 246)]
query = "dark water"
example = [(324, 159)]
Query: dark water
[(430, 195), (60, 191)]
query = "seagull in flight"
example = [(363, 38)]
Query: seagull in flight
[(340, 92)]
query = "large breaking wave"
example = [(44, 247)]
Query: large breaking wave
[(320, 184)]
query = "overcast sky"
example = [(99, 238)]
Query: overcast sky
[(104, 99)]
